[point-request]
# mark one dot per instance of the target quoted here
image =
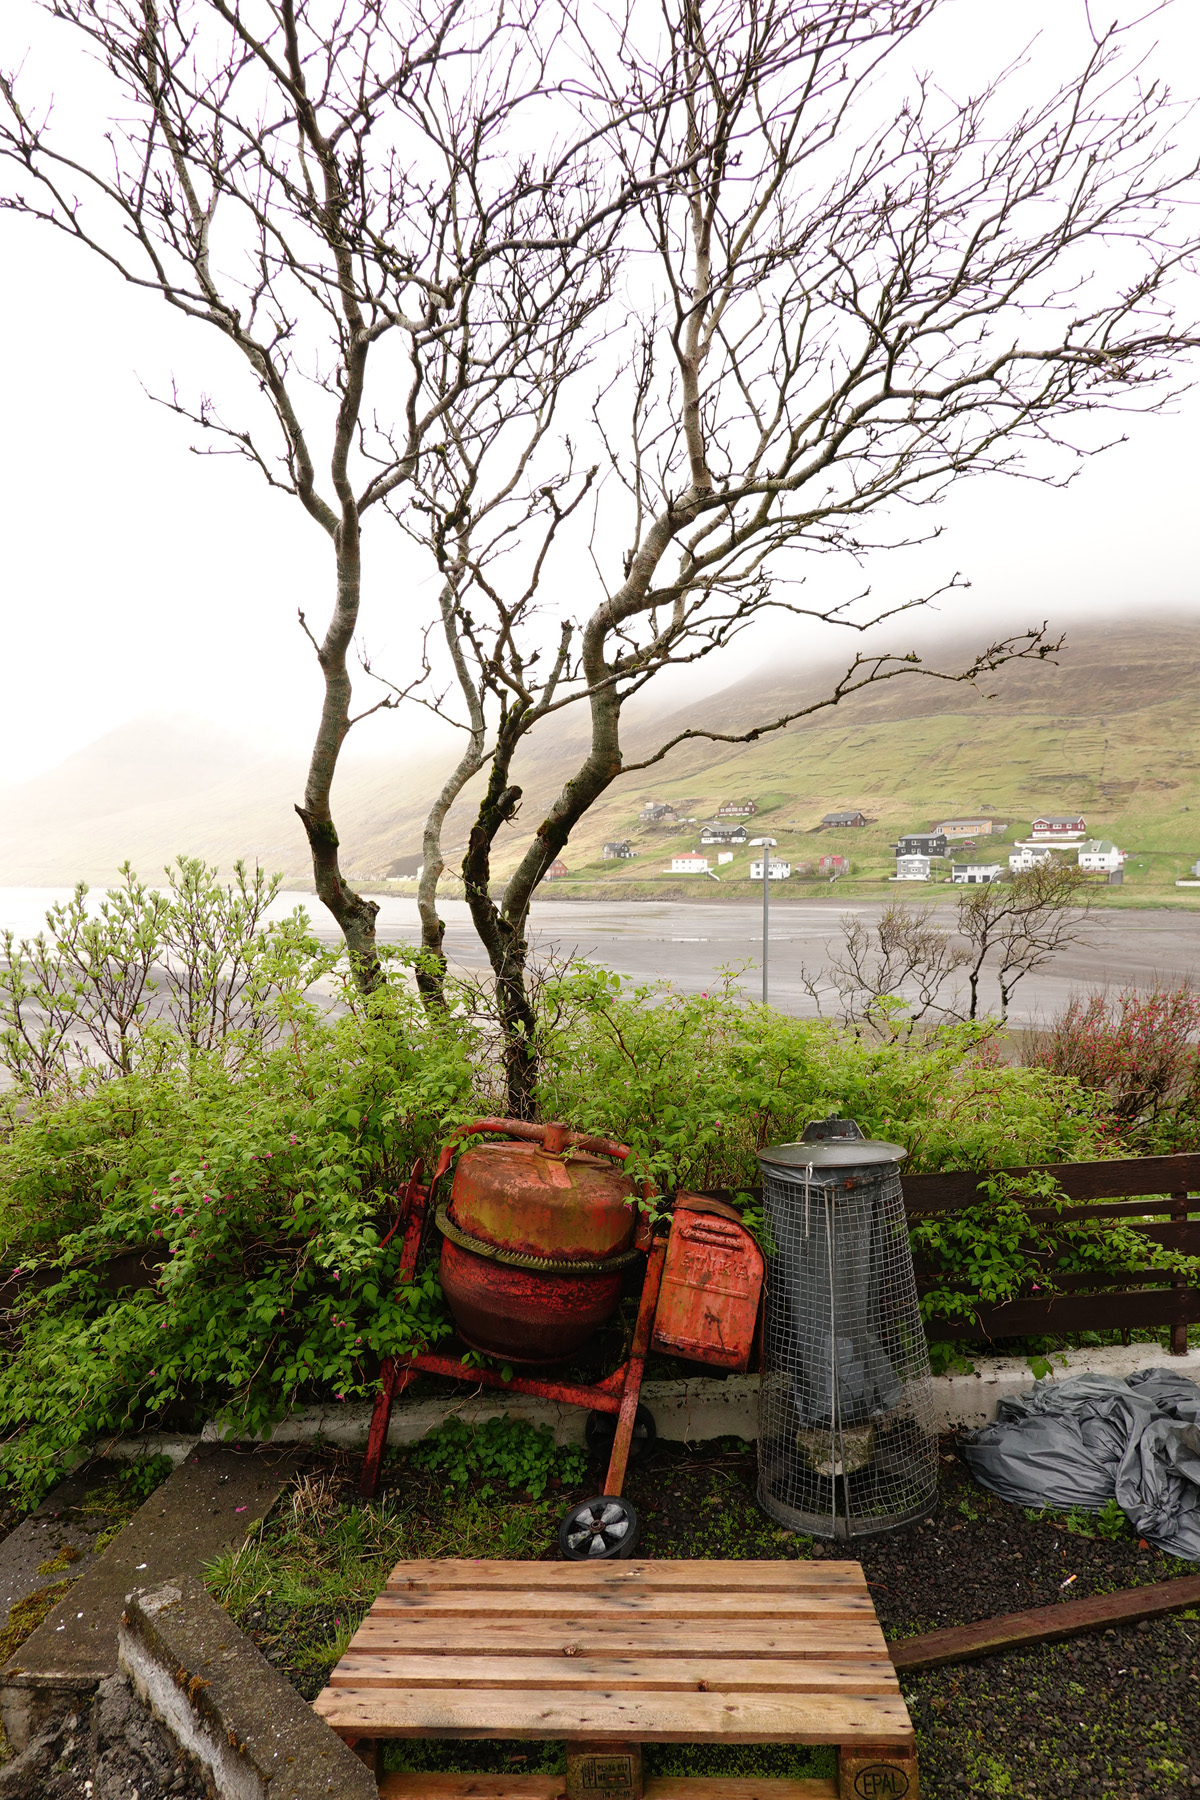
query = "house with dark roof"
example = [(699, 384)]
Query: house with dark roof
[(844, 818)]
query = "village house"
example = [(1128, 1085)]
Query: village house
[(657, 812), (737, 809), (965, 828), (724, 856), (779, 871), (832, 865), (1025, 857), (688, 864), (1100, 857), (844, 818), (712, 833), (922, 843), (620, 849), (974, 874), (911, 868), (557, 870), (1059, 825)]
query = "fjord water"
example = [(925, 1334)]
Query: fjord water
[(689, 943)]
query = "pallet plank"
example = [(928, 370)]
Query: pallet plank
[(437, 1785), (474, 1603), (441, 1786), (726, 1787), (378, 1668), (598, 1578), (675, 1718), (797, 1640)]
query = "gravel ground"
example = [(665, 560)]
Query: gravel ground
[(1117, 1713), (112, 1750)]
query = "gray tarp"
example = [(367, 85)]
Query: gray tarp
[(1080, 1442)]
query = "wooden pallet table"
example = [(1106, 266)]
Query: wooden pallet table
[(613, 1655)]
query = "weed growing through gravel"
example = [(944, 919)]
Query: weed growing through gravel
[(302, 1582)]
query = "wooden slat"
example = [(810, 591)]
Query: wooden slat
[(441, 1786), (677, 1718), (385, 1668), (840, 1638), (597, 1579), (629, 1603), (429, 1785), (730, 1787), (1044, 1624), (1131, 1177), (1077, 1312)]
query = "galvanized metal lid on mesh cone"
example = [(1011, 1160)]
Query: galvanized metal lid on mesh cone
[(846, 1439)]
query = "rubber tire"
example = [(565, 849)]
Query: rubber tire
[(614, 1549), (600, 1429)]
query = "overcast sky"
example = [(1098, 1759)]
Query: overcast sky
[(137, 577)]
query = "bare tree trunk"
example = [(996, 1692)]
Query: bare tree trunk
[(431, 974), (502, 936)]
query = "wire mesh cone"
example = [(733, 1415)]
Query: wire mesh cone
[(847, 1445)]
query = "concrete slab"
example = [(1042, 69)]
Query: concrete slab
[(208, 1504), (62, 1529), (964, 1402), (225, 1705)]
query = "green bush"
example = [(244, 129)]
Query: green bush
[(264, 1161), (270, 1189), (697, 1084)]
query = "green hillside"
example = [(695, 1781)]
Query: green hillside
[(1110, 731)]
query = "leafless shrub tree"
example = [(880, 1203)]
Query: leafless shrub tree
[(315, 182), (1020, 925), (844, 318), (892, 975), (807, 303)]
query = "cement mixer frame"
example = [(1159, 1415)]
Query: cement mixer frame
[(615, 1527)]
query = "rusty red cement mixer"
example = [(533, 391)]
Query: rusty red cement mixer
[(538, 1232)]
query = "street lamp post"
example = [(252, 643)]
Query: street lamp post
[(768, 844)]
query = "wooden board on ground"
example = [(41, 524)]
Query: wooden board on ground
[(1044, 1624), (609, 1656)]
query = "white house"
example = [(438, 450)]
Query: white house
[(688, 865), (1100, 856), (1025, 857), (974, 874), (724, 856), (779, 870), (713, 833), (912, 868)]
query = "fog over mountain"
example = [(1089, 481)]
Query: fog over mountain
[(1113, 717)]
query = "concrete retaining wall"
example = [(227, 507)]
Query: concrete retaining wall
[(684, 1411), (225, 1705)]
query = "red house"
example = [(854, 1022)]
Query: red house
[(1059, 825), (557, 868)]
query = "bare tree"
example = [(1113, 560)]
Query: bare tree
[(312, 182), (1020, 925), (844, 318), (891, 975)]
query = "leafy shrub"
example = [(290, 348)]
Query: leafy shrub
[(996, 1250), (510, 1452), (1141, 1052), (262, 1165), (697, 1084), (268, 1189)]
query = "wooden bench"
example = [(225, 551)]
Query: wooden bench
[(612, 1655)]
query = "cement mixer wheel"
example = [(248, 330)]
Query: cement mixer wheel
[(600, 1429), (603, 1528)]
